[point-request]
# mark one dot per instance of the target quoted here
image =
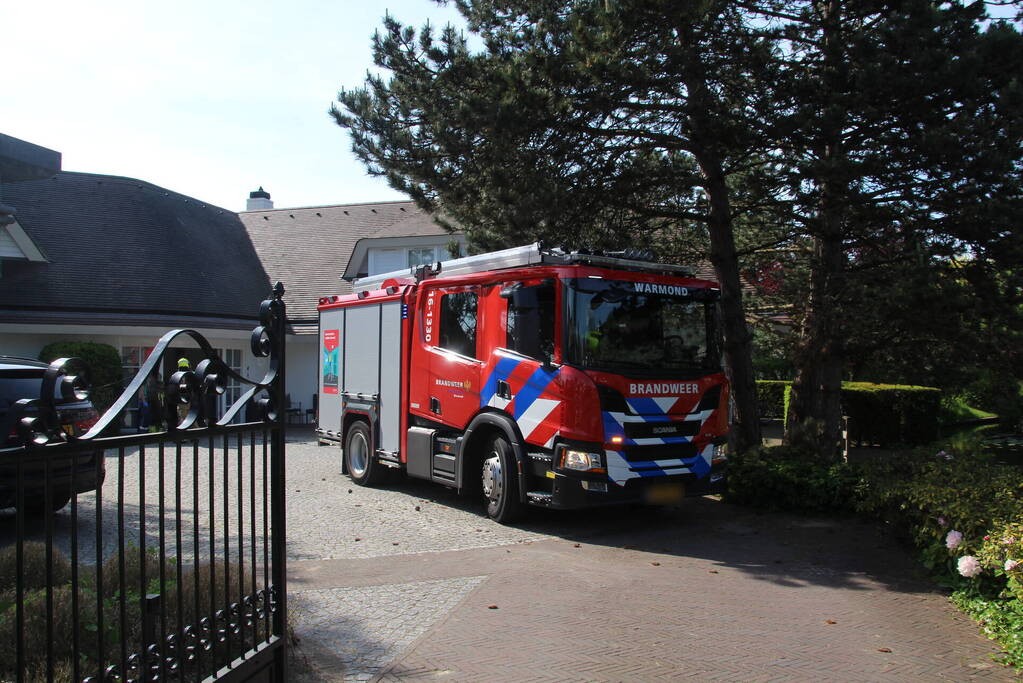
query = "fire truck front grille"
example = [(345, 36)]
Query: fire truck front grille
[(664, 452), (647, 430)]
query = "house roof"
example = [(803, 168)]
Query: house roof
[(118, 245), (308, 248)]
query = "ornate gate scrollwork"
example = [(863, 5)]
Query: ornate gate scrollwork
[(212, 515), (197, 389)]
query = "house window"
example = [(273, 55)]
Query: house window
[(233, 358), (132, 359), (421, 256), (233, 391)]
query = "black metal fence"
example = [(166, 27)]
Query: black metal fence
[(157, 556)]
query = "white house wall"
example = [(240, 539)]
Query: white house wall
[(28, 344), (302, 368), (302, 351)]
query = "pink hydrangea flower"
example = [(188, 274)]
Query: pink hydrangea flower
[(1010, 540), (968, 566), (953, 539), (942, 521), (1011, 564)]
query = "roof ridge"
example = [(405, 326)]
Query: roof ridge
[(332, 206), (138, 181)]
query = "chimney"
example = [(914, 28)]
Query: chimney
[(259, 200)]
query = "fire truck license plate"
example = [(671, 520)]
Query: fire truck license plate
[(665, 494)]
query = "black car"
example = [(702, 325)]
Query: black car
[(23, 378)]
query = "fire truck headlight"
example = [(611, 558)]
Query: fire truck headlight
[(572, 459), (720, 454)]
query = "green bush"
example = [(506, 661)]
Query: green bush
[(34, 567), (1000, 620), (928, 496), (103, 361), (887, 414), (197, 587), (771, 398), (784, 478)]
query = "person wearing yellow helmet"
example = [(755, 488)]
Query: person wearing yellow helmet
[(183, 366)]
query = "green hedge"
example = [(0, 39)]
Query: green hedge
[(771, 398), (881, 414), (888, 414)]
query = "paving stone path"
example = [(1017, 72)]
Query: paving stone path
[(707, 591)]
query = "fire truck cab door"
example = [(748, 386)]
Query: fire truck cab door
[(520, 377), (445, 383)]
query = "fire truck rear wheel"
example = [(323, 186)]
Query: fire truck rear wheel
[(359, 461), (500, 481)]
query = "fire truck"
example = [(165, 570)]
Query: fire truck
[(529, 376)]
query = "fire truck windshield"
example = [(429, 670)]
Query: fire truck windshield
[(641, 327)]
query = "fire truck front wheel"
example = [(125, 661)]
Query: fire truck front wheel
[(362, 468), (500, 483)]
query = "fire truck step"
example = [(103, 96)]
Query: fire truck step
[(388, 459), (539, 497)]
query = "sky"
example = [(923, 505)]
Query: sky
[(210, 98)]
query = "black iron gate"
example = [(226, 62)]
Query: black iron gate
[(166, 561)]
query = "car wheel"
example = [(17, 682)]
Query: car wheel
[(362, 467), (500, 481)]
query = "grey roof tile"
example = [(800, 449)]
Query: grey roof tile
[(121, 244), (308, 248)]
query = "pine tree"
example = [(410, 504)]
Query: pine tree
[(899, 124), (835, 142), (584, 123)]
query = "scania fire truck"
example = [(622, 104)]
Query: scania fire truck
[(532, 376)]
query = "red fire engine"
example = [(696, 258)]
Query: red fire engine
[(536, 376)]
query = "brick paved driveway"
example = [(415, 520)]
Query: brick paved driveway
[(381, 590)]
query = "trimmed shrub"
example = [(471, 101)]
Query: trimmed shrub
[(886, 414), (771, 398), (104, 364)]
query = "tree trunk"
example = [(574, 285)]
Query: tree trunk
[(737, 340), (815, 409), (738, 349)]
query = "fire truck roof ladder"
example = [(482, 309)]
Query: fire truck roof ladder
[(518, 257)]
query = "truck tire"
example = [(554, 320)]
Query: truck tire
[(500, 481), (362, 467)]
